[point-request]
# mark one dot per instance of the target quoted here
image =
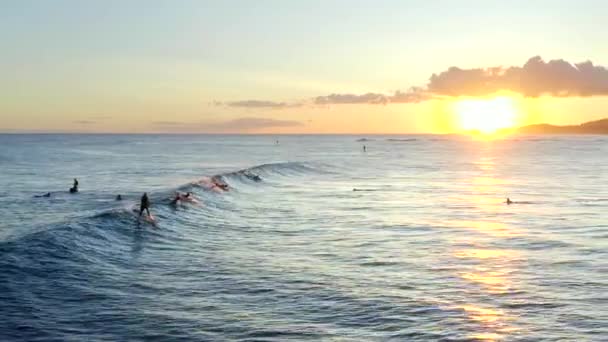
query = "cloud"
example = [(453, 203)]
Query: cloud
[(251, 123), (370, 98), (413, 95), (257, 104), (235, 125), (92, 120), (535, 78)]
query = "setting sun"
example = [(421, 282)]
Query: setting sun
[(486, 115)]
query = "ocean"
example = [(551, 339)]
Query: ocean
[(409, 241)]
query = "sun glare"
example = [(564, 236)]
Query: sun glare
[(487, 115)]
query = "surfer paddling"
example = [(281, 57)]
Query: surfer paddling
[(218, 183), (188, 197)]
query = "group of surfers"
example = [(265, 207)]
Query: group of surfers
[(216, 183), (72, 190)]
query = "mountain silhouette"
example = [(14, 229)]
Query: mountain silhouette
[(591, 127)]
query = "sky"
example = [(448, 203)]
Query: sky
[(297, 66)]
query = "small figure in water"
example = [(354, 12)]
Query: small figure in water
[(188, 197), (74, 187), (48, 194), (509, 201), (364, 148), (145, 204), (219, 183), (176, 199), (253, 177), (119, 197)]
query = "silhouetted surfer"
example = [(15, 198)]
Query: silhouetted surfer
[(509, 201), (74, 187), (364, 148), (119, 197), (48, 194), (145, 204)]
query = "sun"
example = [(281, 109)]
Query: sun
[(486, 115)]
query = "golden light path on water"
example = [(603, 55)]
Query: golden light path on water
[(487, 269)]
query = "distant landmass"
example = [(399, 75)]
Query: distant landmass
[(591, 127)]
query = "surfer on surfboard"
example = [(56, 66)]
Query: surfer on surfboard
[(145, 205)]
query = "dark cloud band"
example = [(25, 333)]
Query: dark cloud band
[(535, 78)]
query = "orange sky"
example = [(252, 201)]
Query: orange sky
[(281, 67)]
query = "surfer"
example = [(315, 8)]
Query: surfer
[(364, 148), (189, 197), (74, 187), (176, 199), (217, 182), (48, 194), (145, 204), (253, 177), (222, 186), (119, 197), (509, 201)]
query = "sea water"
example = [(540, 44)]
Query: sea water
[(410, 240)]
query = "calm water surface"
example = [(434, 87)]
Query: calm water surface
[(425, 250)]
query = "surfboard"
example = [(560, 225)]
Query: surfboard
[(149, 219), (144, 217)]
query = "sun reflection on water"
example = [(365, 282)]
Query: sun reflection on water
[(487, 270), (495, 282), (491, 228), (482, 253)]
